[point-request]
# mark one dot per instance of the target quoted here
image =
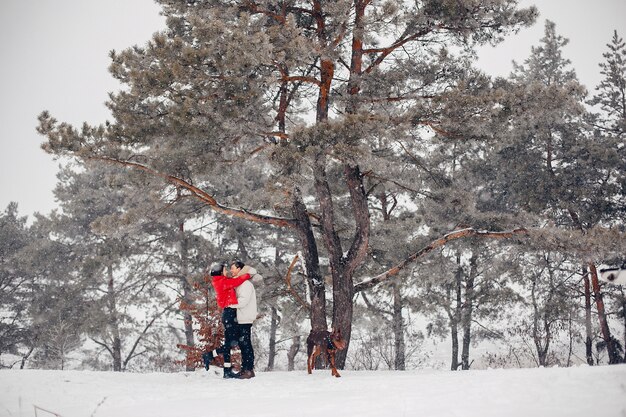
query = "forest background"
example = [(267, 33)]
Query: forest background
[(353, 154)]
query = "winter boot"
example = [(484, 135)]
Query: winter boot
[(229, 374), (247, 374), (207, 357)]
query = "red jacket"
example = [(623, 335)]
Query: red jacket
[(225, 289)]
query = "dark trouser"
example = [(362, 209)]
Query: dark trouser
[(229, 320), (245, 344)]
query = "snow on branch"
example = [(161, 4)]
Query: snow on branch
[(203, 196), (442, 241)]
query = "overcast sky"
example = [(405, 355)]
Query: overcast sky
[(55, 57)]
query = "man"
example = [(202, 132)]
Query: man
[(246, 314)]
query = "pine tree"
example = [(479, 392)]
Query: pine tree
[(224, 95), (611, 92), (14, 283), (113, 262), (557, 169)]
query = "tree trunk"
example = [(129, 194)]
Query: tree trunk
[(588, 329), (187, 290), (342, 314), (293, 351), (397, 322), (624, 318), (315, 280), (614, 356), (116, 348), (536, 331), (466, 318), (271, 355), (398, 328), (452, 312), (454, 334)]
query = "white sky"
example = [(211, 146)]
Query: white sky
[(55, 57)]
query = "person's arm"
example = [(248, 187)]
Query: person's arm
[(256, 277), (244, 295), (235, 282)]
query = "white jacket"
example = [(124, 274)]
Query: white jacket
[(246, 297), (246, 303)]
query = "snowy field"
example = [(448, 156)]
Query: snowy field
[(568, 392)]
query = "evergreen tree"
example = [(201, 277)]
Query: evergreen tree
[(223, 95), (610, 96), (557, 169), (15, 283), (113, 263), (611, 92)]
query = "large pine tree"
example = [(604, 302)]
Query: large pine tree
[(310, 97)]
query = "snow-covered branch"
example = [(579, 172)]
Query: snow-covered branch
[(442, 241)]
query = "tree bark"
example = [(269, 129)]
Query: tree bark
[(466, 317), (588, 329), (450, 305), (183, 253), (624, 319), (614, 357), (315, 280), (293, 351), (271, 355), (540, 347), (456, 314), (116, 348), (398, 328)]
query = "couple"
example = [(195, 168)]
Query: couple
[(237, 297)]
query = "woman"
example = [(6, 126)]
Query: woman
[(226, 296)]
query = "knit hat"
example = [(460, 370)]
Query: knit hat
[(217, 269)]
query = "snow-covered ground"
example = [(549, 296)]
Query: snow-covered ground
[(568, 392)]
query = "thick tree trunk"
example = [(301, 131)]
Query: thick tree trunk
[(315, 280), (614, 356), (588, 329), (342, 313), (342, 267)]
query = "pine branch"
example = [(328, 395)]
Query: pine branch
[(384, 52), (203, 196), (442, 241)]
